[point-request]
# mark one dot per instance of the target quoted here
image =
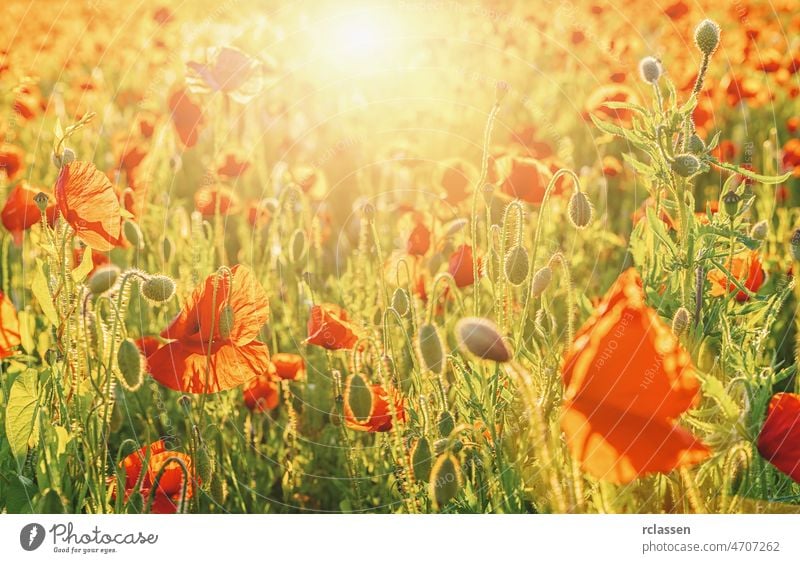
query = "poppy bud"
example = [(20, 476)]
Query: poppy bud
[(446, 424), (297, 247), (696, 145), (445, 480), (67, 156), (133, 234), (795, 244), (580, 210), (686, 165), (218, 488), (130, 364), (422, 460), (482, 338), (103, 279), (650, 69), (167, 249), (439, 446), (226, 321), (760, 230), (731, 203), (680, 321), (516, 265), (541, 279), (368, 212), (205, 465), (158, 288), (706, 37), (41, 200), (430, 348), (359, 398), (400, 301)]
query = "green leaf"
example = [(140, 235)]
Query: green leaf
[(750, 174), (625, 105), (42, 293), (659, 230), (21, 412), (79, 274), (712, 387)]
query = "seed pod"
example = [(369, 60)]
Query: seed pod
[(103, 279), (795, 244), (482, 338), (359, 398), (650, 69), (130, 364), (541, 279), (696, 145), (41, 200), (226, 321), (400, 301), (422, 460), (133, 234), (580, 210), (297, 247), (731, 203), (516, 265), (431, 349), (205, 465), (686, 165), (158, 288), (446, 424), (706, 37), (760, 230), (680, 321), (445, 480)]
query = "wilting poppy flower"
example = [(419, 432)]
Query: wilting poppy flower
[(380, 417), (779, 440), (288, 366), (461, 267), (233, 165), (627, 379), (9, 326), (11, 160), (328, 327), (214, 344), (207, 200), (170, 484), (746, 269), (86, 200), (523, 178), (231, 71), (187, 116), (262, 393), (20, 211), (419, 241)]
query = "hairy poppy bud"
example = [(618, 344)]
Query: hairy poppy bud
[(795, 244), (226, 320), (440, 446), (446, 424), (130, 364), (400, 301), (680, 321), (368, 212), (731, 203), (516, 265), (158, 288), (133, 234), (103, 279), (686, 165), (650, 69), (358, 395), (205, 465), (760, 230), (445, 480), (41, 200), (167, 249), (541, 279), (696, 145), (67, 156), (580, 210), (482, 338), (422, 460), (431, 349), (297, 247), (706, 37)]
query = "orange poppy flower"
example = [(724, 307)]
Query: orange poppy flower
[(746, 268), (523, 178), (328, 327), (9, 326), (187, 116), (206, 201), (233, 165), (262, 393), (231, 71), (779, 440), (289, 366), (214, 344), (380, 417), (87, 201), (460, 266), (627, 378), (170, 485), (12, 160), (20, 211), (419, 241)]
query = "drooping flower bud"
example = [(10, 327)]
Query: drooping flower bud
[(541, 279), (482, 338), (422, 460), (133, 234), (359, 398), (445, 480), (580, 210), (431, 349), (158, 288), (680, 321), (650, 69), (103, 279), (400, 301), (760, 230), (130, 364), (446, 424), (706, 37), (516, 265), (297, 247)]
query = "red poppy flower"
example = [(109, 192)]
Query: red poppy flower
[(231, 71), (258, 214), (461, 266), (380, 417), (170, 485), (746, 268), (596, 103), (289, 366), (208, 199), (779, 440), (262, 393), (214, 344), (20, 211), (233, 165), (9, 326), (187, 116), (676, 10), (86, 200), (12, 160), (627, 379), (419, 241), (523, 178), (455, 178), (147, 344), (328, 327)]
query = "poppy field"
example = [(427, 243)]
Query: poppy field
[(401, 256)]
